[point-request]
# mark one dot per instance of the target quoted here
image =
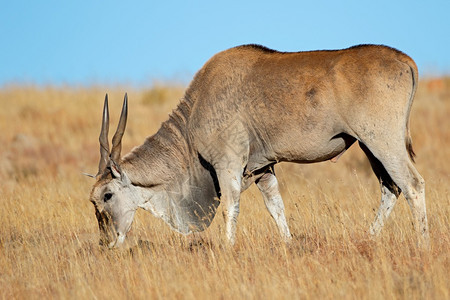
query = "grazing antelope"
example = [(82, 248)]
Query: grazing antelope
[(249, 108)]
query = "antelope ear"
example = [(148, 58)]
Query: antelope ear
[(118, 173), (88, 175)]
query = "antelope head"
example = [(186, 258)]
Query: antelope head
[(113, 195)]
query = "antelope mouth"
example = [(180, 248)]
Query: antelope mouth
[(122, 234)]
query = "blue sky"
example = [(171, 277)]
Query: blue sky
[(138, 42)]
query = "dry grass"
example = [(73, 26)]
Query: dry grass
[(48, 236)]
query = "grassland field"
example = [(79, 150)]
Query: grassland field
[(49, 233)]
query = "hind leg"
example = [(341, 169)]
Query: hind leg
[(413, 188), (398, 165), (388, 200), (414, 192), (268, 185), (389, 192)]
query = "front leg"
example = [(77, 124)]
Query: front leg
[(268, 185), (230, 188)]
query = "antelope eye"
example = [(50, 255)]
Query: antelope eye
[(107, 197)]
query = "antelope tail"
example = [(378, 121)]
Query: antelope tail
[(415, 81)]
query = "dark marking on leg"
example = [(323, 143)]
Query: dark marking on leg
[(380, 171)]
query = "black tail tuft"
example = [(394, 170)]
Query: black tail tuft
[(410, 149)]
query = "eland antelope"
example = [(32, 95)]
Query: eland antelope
[(249, 108)]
